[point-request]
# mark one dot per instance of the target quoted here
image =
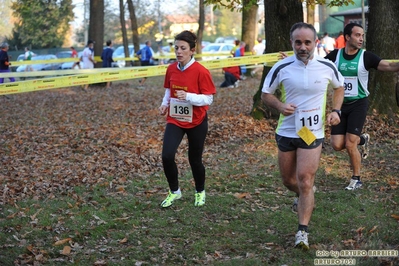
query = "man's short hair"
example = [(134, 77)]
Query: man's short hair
[(4, 45), (300, 25), (348, 28), (108, 43)]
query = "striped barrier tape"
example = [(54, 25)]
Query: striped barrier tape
[(68, 78)]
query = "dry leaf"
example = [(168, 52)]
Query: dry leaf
[(33, 217), (348, 242), (360, 229), (123, 241), (100, 262), (62, 241), (395, 216), (11, 216), (327, 170), (66, 250), (242, 195), (373, 229)]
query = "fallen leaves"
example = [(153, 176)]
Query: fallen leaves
[(51, 143)]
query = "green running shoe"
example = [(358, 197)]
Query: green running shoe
[(170, 198), (199, 198)]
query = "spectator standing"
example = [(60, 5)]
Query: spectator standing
[(88, 58), (5, 61), (258, 49), (340, 41), (189, 91), (236, 46), (75, 55), (145, 55), (240, 51), (171, 48), (303, 80), (106, 57), (28, 56), (329, 43)]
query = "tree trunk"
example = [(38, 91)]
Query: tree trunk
[(280, 16), (124, 32), (383, 25), (310, 14), (96, 26), (135, 27), (249, 24), (201, 25)]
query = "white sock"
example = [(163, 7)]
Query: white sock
[(177, 191)]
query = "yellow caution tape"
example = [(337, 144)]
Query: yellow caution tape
[(68, 78)]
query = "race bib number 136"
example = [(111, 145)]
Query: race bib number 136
[(181, 110)]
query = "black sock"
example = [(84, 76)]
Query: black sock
[(302, 227), (356, 177), (362, 140)]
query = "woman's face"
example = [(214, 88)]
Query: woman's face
[(183, 52)]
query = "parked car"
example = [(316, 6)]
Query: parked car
[(229, 40), (68, 65), (120, 53), (41, 66), (218, 51), (21, 57), (64, 54), (204, 43)]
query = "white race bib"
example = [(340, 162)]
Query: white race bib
[(181, 110), (351, 87), (312, 119)]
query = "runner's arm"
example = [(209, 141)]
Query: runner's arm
[(272, 101), (388, 66), (199, 99)]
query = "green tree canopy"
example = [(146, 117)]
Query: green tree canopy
[(5, 15), (41, 23)]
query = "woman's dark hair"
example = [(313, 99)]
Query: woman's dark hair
[(188, 37)]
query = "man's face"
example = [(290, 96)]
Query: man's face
[(355, 40), (303, 43)]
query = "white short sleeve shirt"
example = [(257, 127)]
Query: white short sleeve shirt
[(305, 86)]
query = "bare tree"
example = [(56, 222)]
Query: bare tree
[(280, 16), (134, 25), (310, 9), (124, 32), (383, 25), (201, 26), (249, 23), (96, 26)]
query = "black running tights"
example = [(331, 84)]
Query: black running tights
[(196, 139)]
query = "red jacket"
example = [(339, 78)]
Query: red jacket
[(235, 70)]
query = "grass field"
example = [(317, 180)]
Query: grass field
[(81, 183)]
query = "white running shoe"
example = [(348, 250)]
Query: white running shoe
[(301, 240), (354, 184)]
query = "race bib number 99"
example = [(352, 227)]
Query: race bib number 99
[(351, 88), (181, 110)]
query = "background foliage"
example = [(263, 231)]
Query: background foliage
[(41, 23)]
